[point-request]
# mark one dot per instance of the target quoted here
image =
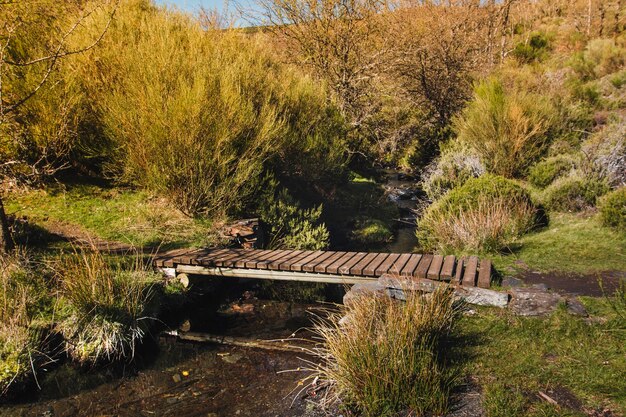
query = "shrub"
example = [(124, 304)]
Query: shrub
[(545, 172), (574, 193), (290, 226), (508, 130), (613, 209), (535, 49), (107, 307), (200, 115), (605, 153), (484, 214), (600, 57), (456, 165), (381, 356)]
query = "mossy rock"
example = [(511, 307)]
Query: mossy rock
[(372, 231)]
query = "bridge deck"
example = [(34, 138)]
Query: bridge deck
[(327, 266)]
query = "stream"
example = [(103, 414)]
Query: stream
[(173, 377)]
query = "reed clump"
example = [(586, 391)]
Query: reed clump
[(106, 307), (381, 356)]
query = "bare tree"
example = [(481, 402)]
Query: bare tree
[(341, 41)]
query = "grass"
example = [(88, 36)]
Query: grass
[(575, 243), (381, 356), (516, 357), (114, 214)]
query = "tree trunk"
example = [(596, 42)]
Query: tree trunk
[(6, 243)]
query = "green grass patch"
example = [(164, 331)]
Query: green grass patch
[(114, 214), (571, 243), (516, 357)]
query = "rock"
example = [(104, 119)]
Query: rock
[(575, 307), (177, 378), (512, 282), (360, 289), (541, 286), (232, 358), (533, 301)]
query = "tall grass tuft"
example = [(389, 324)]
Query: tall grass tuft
[(381, 356), (106, 307), (18, 342)]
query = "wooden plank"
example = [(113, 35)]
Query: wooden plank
[(435, 267), (447, 270), (334, 267), (285, 265), (230, 262), (264, 264), (207, 259), (202, 253), (253, 256), (458, 276), (484, 273), (233, 254), (357, 269), (314, 262), (422, 268), (345, 268), (399, 263), (276, 263), (469, 276), (321, 266), (410, 266), (167, 259), (384, 267), (252, 263), (370, 269), (298, 265)]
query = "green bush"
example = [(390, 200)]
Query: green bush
[(600, 57), (290, 226), (509, 130), (545, 172), (535, 49), (573, 193), (484, 214), (613, 209)]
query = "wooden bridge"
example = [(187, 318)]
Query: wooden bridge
[(326, 266)]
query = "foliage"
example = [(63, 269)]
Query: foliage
[(600, 57), (290, 226), (533, 49), (573, 193), (485, 214), (613, 209), (456, 165), (382, 356), (230, 111), (605, 153), (507, 129), (546, 171), (107, 307)]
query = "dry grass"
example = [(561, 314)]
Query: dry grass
[(490, 226), (380, 356), (16, 345), (106, 306)]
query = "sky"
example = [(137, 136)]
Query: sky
[(193, 5)]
